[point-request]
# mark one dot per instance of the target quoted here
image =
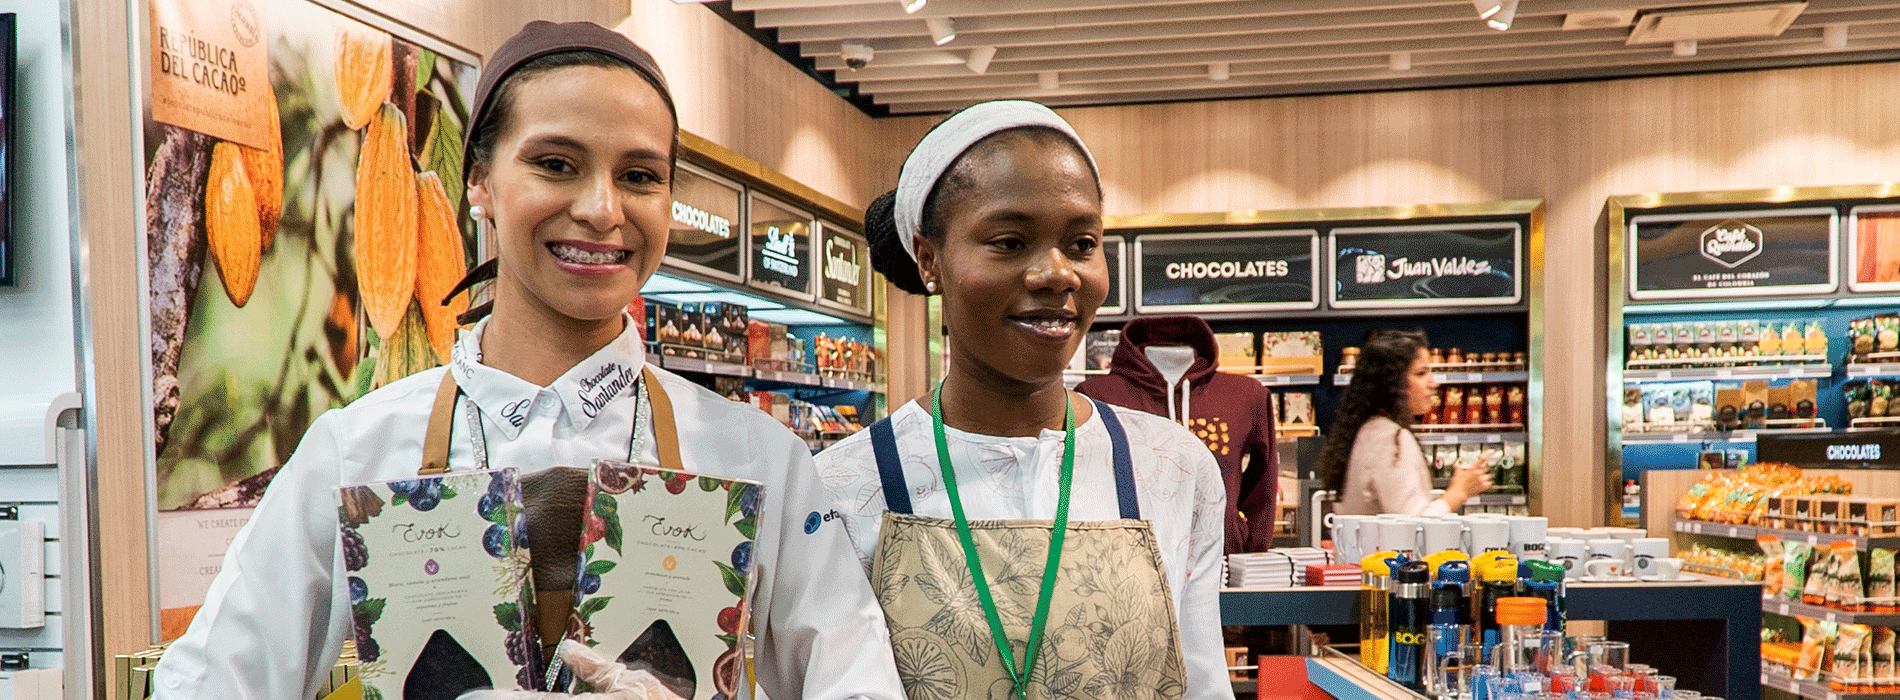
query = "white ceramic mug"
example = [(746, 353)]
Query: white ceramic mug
[(1644, 552), (1529, 536), (1399, 535), (1613, 552), (1442, 535), (1666, 569), (1569, 553), (1346, 540), (1626, 533), (1488, 534)]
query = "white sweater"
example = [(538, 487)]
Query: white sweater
[(1387, 473)]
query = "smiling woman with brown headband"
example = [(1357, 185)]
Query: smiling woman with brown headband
[(1024, 541), (570, 162)]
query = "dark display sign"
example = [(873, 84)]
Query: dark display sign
[(781, 247), (1230, 271), (1468, 264), (1732, 254), (1113, 249), (1872, 450), (844, 276), (706, 222)]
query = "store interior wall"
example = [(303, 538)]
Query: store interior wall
[(1572, 144), (36, 313)]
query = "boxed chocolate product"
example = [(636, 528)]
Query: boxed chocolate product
[(1755, 404), (1291, 352), (758, 337), (1728, 408), (1237, 351), (671, 330), (1101, 348), (1682, 403), (1297, 408), (737, 321)]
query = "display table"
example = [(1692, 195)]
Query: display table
[(1704, 631)]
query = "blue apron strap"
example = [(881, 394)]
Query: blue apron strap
[(1124, 464), (890, 468)]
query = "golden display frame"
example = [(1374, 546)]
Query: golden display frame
[(1616, 221), (702, 152), (1533, 210)]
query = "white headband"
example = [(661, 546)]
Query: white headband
[(939, 148)]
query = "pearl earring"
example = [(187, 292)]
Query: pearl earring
[(476, 212), (930, 287)]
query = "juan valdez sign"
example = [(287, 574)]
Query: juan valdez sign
[(1410, 266)]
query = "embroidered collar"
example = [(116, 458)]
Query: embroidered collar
[(583, 392)]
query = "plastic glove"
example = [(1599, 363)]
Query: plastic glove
[(610, 679)]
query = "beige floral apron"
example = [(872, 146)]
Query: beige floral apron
[(1111, 633)]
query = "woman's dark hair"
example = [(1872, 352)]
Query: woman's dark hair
[(481, 142), (880, 221), (1378, 388)]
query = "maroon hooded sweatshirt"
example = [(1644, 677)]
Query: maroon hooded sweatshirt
[(1231, 414)]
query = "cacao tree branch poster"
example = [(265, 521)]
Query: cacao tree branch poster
[(304, 218)]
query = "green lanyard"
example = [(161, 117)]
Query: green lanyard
[(1019, 680)]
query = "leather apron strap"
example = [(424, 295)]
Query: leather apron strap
[(666, 435), (435, 443)]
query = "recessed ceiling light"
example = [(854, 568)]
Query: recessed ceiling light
[(1722, 22), (1599, 19), (912, 6), (1047, 80), (1401, 60), (942, 29), (1834, 36), (980, 59), (1501, 20), (1218, 71)]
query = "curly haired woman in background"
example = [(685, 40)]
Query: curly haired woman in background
[(1372, 462)]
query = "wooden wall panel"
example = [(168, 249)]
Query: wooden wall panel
[(1572, 144)]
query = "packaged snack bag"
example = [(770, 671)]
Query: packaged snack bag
[(1880, 580), (1795, 566), (1883, 680), (1847, 647), (1771, 579)]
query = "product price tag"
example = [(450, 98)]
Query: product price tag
[(1679, 437), (1812, 540), (1782, 608), (1724, 373), (1665, 375), (1732, 532), (1830, 618)]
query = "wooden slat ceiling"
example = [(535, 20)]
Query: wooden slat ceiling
[(1100, 52)]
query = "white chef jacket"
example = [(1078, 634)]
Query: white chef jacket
[(274, 620), (1177, 483)]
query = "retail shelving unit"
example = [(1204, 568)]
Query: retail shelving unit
[(1342, 272), (1662, 269), (742, 234), (1749, 532), (1655, 618), (1818, 691)]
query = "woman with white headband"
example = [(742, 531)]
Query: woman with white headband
[(1024, 541)]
